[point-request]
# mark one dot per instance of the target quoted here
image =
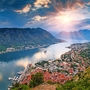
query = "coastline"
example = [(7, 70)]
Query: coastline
[(3, 52), (73, 54), (70, 67), (10, 49)]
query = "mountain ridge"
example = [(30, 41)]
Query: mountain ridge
[(80, 35), (24, 37)]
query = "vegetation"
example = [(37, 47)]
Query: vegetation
[(21, 87), (2, 48), (86, 53), (15, 84), (42, 63), (50, 82), (79, 82), (36, 80), (23, 37)]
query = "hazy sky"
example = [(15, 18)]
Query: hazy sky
[(52, 15)]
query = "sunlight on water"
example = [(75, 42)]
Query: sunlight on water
[(1, 77), (22, 62)]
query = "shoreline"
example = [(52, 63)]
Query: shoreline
[(4, 52), (65, 62), (72, 53), (29, 48)]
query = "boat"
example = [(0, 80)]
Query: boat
[(14, 78), (9, 88), (10, 78), (20, 72), (45, 51)]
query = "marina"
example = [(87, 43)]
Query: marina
[(20, 72), (15, 78)]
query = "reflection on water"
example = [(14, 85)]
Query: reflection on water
[(22, 62), (13, 56), (1, 77), (16, 61)]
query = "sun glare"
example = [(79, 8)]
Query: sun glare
[(65, 19)]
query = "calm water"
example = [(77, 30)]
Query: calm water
[(11, 63)]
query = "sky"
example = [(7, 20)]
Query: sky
[(51, 15)]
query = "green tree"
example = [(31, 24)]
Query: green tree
[(36, 79), (15, 84)]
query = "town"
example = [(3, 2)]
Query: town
[(60, 70), (19, 48)]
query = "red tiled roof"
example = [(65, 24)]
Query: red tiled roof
[(54, 77)]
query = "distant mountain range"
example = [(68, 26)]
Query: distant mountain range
[(80, 35), (15, 37)]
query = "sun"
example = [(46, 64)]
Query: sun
[(65, 19)]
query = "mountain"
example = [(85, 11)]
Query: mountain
[(80, 35), (16, 37)]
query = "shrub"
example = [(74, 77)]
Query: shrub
[(36, 80)]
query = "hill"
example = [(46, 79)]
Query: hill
[(80, 82), (45, 87), (78, 35), (19, 38)]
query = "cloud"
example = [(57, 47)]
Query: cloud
[(39, 18), (86, 27), (26, 9), (4, 23), (68, 5), (36, 19), (14, 4), (85, 24), (23, 6), (34, 6), (88, 3), (41, 13), (42, 3)]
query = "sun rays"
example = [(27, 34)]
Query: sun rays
[(65, 18)]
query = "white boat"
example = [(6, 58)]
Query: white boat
[(10, 78), (20, 72), (14, 78), (9, 88)]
